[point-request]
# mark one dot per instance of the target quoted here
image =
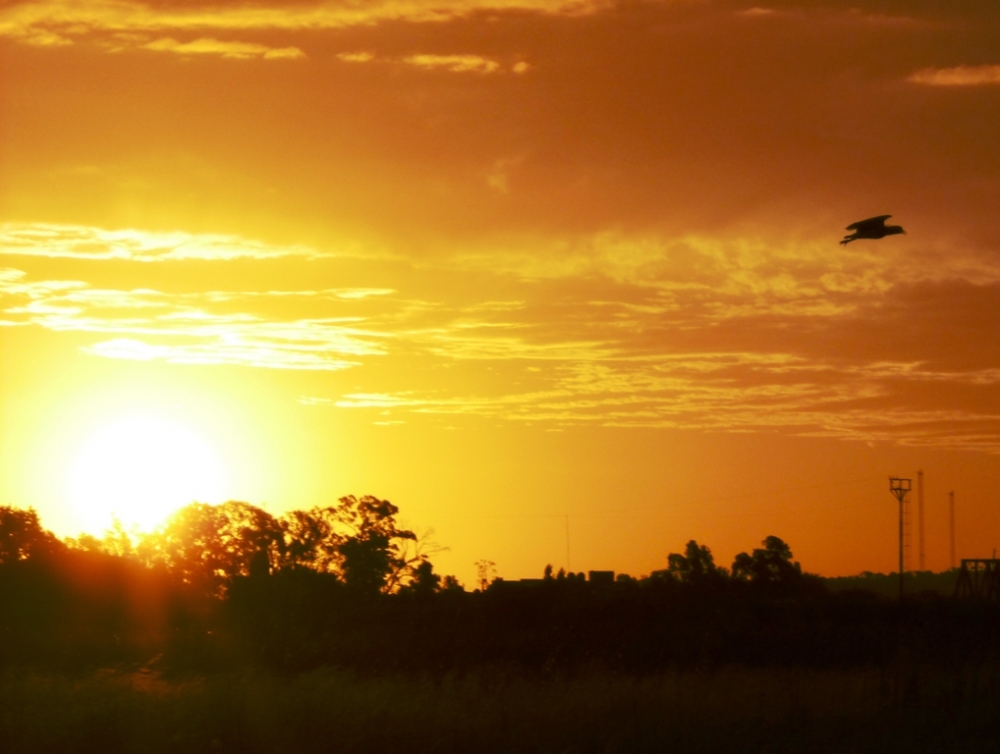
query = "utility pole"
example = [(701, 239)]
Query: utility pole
[(951, 522), (899, 487), (920, 518)]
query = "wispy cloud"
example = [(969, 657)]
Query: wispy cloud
[(729, 392), (60, 22), (728, 335), (209, 46), (183, 328), (962, 75), (454, 63), (722, 278), (353, 293), (86, 242), (799, 333), (356, 57), (460, 63), (274, 355)]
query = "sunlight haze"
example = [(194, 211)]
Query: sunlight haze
[(139, 469)]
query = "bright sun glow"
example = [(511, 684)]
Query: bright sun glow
[(141, 468)]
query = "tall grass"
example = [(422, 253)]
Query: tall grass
[(731, 710)]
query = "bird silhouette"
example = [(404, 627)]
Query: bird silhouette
[(873, 227)]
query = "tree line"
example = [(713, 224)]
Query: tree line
[(346, 585), (357, 541)]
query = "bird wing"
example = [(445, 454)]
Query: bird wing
[(870, 223)]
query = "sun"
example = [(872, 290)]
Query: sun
[(139, 468)]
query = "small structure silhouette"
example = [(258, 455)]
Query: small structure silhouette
[(979, 579), (601, 577), (873, 227)]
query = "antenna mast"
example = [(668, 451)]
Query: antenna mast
[(899, 487), (920, 518), (951, 521)]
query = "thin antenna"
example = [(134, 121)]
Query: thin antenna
[(920, 517), (907, 536), (899, 487), (951, 521)]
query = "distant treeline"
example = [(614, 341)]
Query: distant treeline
[(224, 586), (920, 584)]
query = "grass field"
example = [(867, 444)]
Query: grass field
[(728, 710)]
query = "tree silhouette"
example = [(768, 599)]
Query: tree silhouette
[(22, 536), (312, 540), (210, 545), (771, 564), (373, 552), (696, 566), (450, 584), (424, 581)]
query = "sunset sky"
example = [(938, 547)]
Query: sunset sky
[(560, 279)]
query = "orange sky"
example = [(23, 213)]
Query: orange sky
[(514, 264)]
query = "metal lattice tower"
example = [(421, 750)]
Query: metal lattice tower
[(899, 487), (907, 536)]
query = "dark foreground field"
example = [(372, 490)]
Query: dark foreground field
[(726, 710), (229, 631)]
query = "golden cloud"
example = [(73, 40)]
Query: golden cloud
[(48, 22), (209, 46), (183, 328), (464, 63), (356, 57), (962, 75), (271, 356), (454, 63), (87, 242), (719, 334), (734, 392)]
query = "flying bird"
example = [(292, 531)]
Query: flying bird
[(873, 227)]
